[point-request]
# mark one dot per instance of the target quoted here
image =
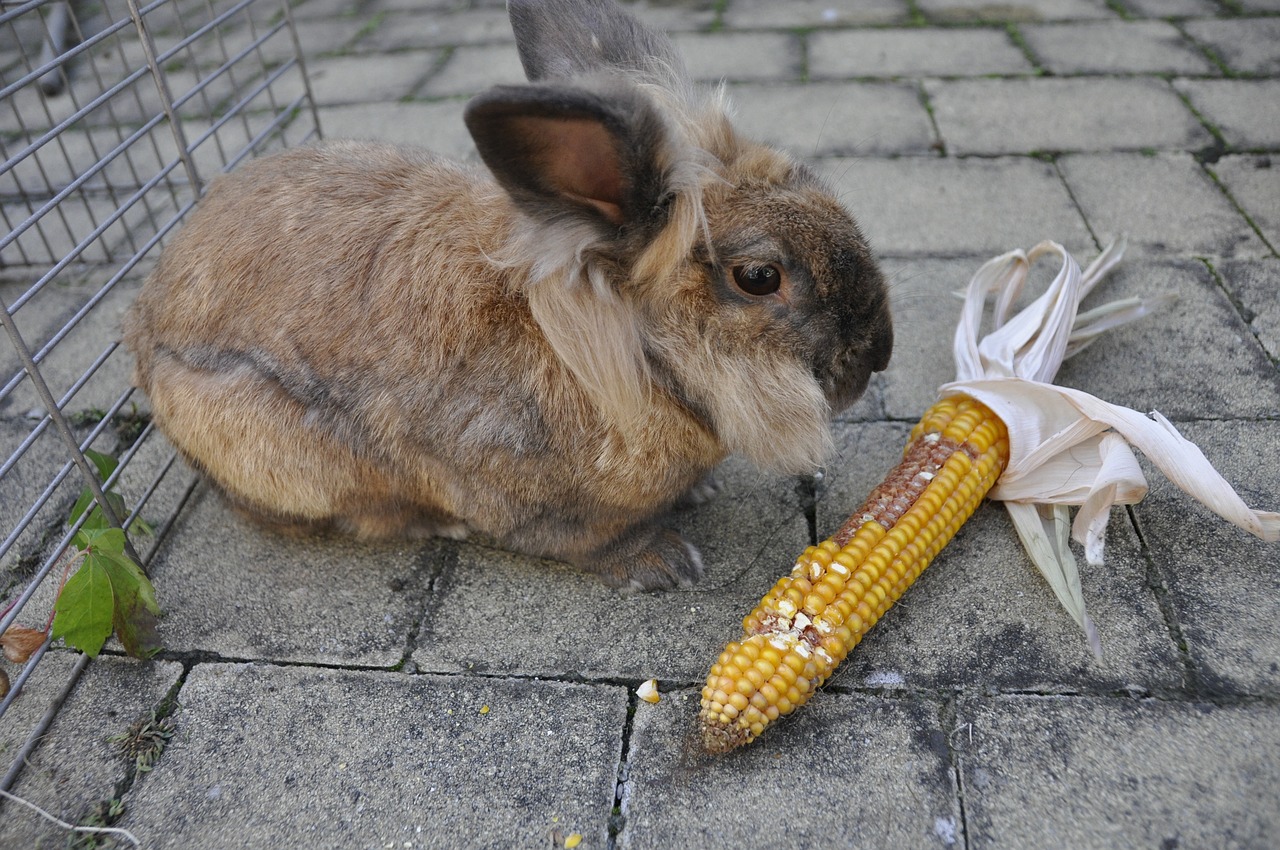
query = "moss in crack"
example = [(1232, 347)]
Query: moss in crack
[(99, 815), (144, 741)]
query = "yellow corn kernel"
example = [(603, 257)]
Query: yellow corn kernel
[(814, 616)]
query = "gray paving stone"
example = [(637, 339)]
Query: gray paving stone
[(1165, 203), (435, 126), (876, 773), (1172, 8), (948, 11), (822, 119), (1245, 45), (313, 9), (1246, 112), (351, 79), (27, 479), (326, 600), (740, 56), (953, 207), (982, 616), (1077, 114), (1044, 772), (381, 759), (915, 53), (1194, 358), (1115, 47), (748, 14), (469, 70), (41, 322), (1223, 583), (394, 31), (1254, 183), (684, 16), (1260, 5), (571, 624), (1255, 285), (925, 311), (75, 766), (317, 37)]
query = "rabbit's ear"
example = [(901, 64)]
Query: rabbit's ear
[(561, 150), (571, 38)]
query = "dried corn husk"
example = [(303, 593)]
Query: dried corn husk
[(1068, 448)]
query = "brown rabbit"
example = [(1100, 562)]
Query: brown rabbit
[(371, 337)]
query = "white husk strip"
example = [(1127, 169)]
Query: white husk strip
[(1067, 447)]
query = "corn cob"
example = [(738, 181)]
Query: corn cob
[(812, 618)]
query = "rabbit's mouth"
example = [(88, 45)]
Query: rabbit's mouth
[(846, 376)]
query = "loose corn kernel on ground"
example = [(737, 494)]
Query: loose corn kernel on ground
[(812, 618)]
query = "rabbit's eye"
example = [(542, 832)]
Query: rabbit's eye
[(758, 280)]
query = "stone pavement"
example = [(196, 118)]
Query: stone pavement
[(333, 694)]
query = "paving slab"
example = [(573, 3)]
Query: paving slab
[(751, 14), (957, 207), (1042, 772), (352, 79), (981, 616), (1253, 182), (24, 483), (1164, 202), (1245, 112), (915, 53), (952, 11), (1224, 585), (570, 624), (71, 355), (1255, 286), (667, 15), (1194, 358), (75, 768), (844, 771), (385, 32), (720, 56), (230, 589), (840, 119), (306, 10), (1245, 45), (268, 757), (1172, 8), (1115, 47), (436, 126), (1062, 114), (470, 70)]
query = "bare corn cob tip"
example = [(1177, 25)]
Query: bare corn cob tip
[(811, 619)]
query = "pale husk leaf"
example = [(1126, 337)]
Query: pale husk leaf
[(1066, 446)]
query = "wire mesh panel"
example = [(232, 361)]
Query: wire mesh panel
[(113, 116)]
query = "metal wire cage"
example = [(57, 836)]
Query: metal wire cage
[(113, 115)]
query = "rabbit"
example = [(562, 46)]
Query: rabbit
[(551, 354)]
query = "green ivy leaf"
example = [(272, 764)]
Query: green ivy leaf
[(106, 464), (84, 611), (81, 505), (106, 539), (136, 610), (109, 591)]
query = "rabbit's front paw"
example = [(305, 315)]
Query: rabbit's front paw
[(701, 493), (649, 558)]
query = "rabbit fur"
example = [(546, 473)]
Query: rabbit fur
[(550, 354)]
